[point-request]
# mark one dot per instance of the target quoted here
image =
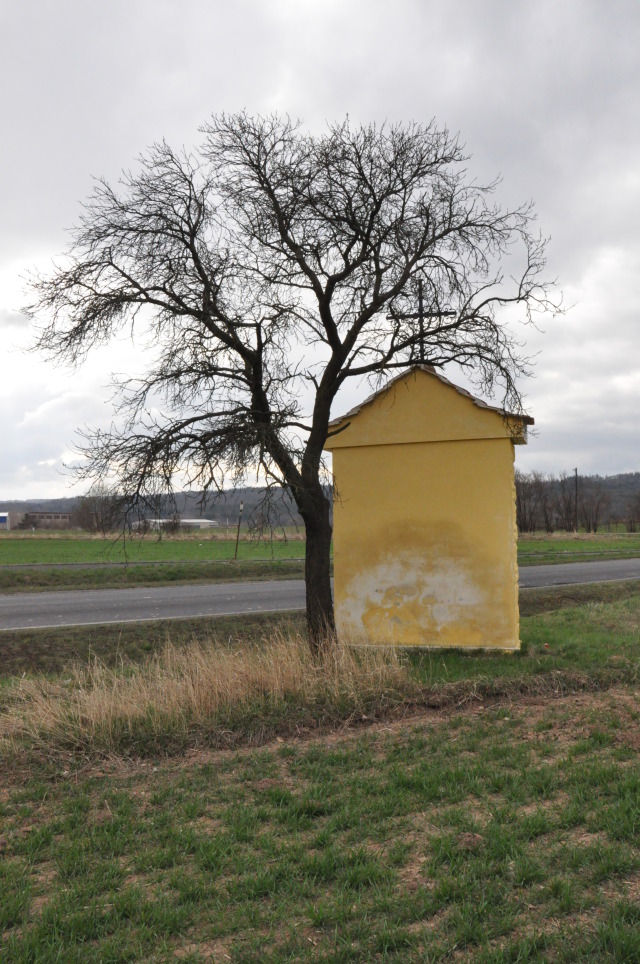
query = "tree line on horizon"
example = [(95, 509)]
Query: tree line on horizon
[(547, 502), (544, 502), (102, 510)]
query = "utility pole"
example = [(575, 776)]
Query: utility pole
[(420, 315), (576, 502), (235, 556)]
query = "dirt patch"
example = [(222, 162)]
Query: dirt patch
[(142, 882), (283, 780), (585, 838), (632, 889), (213, 951), (470, 841), (37, 904), (412, 877), (629, 738), (208, 825)]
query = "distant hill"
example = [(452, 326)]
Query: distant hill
[(222, 507), (621, 490), (39, 505), (549, 502)]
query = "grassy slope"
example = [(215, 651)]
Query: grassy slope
[(119, 576), (505, 835), (49, 650), (495, 828)]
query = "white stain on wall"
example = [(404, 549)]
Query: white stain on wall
[(408, 589)]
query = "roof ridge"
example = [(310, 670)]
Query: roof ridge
[(430, 370)]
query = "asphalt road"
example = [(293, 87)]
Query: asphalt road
[(576, 573), (87, 607)]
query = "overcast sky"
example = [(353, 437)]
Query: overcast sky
[(544, 93)]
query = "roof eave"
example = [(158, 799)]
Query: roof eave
[(478, 402)]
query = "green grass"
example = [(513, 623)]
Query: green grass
[(542, 548), (62, 562), (56, 549), (509, 834), (152, 574), (498, 821), (59, 561), (59, 549)]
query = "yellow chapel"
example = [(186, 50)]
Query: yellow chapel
[(425, 532)]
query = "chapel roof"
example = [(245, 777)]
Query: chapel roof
[(517, 421)]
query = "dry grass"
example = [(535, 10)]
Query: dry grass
[(203, 691), (197, 692)]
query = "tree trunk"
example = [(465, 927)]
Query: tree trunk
[(320, 617)]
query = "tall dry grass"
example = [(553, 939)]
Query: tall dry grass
[(200, 694)]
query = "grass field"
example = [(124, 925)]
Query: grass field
[(461, 807), (57, 549), (33, 562), (560, 547), (504, 833), (65, 549), (60, 561)]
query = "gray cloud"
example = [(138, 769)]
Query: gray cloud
[(544, 94), (37, 452), (12, 319)]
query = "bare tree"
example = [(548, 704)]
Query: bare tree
[(270, 267), (526, 502), (632, 520), (100, 510), (535, 501), (544, 487), (566, 502), (593, 503)]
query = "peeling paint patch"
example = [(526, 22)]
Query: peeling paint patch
[(409, 597)]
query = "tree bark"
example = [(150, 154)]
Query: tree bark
[(320, 617)]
